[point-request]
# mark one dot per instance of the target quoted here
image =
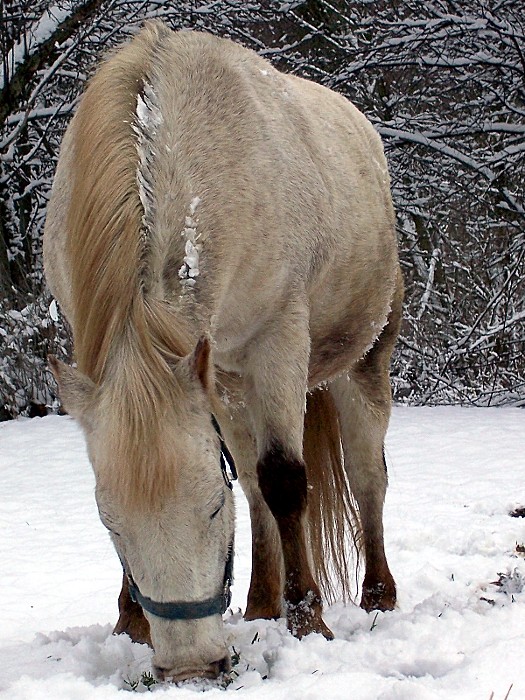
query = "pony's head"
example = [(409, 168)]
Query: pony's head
[(163, 497)]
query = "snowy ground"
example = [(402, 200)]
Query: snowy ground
[(455, 473)]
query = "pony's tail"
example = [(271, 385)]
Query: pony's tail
[(332, 521)]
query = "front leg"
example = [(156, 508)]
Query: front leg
[(282, 479), (266, 586), (278, 372), (131, 619)]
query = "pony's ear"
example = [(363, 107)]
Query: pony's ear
[(75, 389), (200, 363)]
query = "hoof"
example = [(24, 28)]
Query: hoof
[(305, 618), (300, 627), (379, 596)]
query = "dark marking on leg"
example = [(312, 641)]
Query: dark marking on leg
[(283, 482)]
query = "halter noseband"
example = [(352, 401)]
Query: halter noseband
[(204, 608), (188, 610)]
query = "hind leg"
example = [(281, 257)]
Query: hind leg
[(363, 427), (363, 402), (266, 584)]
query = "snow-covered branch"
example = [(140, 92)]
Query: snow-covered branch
[(441, 80)]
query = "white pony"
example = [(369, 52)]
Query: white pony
[(221, 239)]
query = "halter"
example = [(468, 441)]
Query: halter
[(188, 610), (210, 606)]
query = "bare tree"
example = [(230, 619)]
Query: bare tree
[(442, 80)]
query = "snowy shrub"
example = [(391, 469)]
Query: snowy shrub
[(27, 335)]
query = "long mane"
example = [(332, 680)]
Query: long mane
[(105, 217), (124, 341)]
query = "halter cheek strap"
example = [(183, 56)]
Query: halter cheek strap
[(226, 457)]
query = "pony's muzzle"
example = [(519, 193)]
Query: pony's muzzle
[(212, 671)]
